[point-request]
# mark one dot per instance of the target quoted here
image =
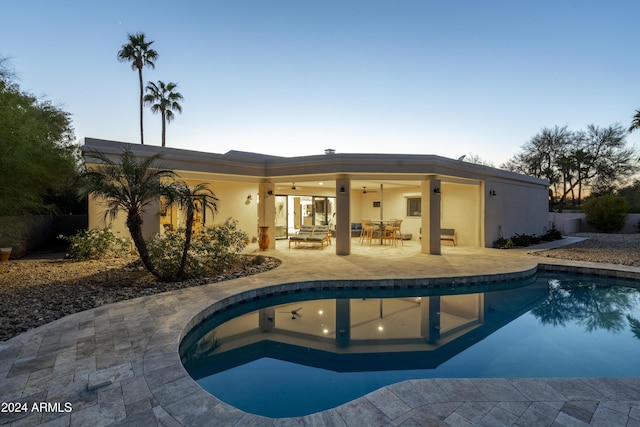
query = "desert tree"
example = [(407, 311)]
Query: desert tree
[(594, 160), (39, 158), (139, 53)]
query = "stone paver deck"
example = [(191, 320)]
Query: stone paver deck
[(118, 364)]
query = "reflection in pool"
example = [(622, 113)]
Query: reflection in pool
[(301, 356)]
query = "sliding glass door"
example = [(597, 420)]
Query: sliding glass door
[(281, 217), (294, 211)]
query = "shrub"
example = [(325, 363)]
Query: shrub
[(551, 235), (212, 251), (606, 213), (97, 243), (166, 253), (526, 239), (503, 243)]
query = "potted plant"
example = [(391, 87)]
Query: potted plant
[(5, 253), (12, 232)]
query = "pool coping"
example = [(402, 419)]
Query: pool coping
[(133, 373), (216, 406)]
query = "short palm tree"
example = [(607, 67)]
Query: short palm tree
[(162, 98), (130, 185), (192, 199), (635, 123), (138, 51)]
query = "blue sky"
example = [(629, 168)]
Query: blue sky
[(293, 77)]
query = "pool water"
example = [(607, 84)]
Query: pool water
[(298, 357)]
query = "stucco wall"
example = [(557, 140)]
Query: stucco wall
[(570, 222), (96, 218), (461, 211), (231, 195), (514, 209)]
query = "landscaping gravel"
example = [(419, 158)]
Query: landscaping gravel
[(606, 248), (34, 292)]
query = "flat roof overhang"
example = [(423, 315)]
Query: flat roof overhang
[(253, 167)]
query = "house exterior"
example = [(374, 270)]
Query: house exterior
[(427, 192)]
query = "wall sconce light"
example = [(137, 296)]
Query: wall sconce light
[(492, 193), (270, 192), (248, 201), (436, 190), (342, 190)]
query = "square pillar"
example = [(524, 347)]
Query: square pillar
[(431, 216), (343, 215)]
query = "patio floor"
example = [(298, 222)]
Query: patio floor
[(118, 364)]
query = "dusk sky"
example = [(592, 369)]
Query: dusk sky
[(294, 77)]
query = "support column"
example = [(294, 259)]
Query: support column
[(343, 322), (430, 318), (267, 210), (431, 216), (343, 215)]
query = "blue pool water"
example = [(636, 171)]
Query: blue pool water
[(297, 357)]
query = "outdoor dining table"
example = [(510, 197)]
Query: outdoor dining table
[(383, 223)]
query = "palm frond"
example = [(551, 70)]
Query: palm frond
[(635, 123)]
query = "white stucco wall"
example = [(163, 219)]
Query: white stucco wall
[(515, 209)]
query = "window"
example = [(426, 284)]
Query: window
[(414, 206)]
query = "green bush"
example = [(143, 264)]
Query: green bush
[(606, 213), (551, 235), (503, 243), (526, 239), (97, 243), (212, 251)]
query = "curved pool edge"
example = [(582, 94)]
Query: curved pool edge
[(404, 399)]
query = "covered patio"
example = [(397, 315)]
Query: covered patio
[(426, 193)]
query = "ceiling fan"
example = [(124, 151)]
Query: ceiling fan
[(365, 191), (294, 313)]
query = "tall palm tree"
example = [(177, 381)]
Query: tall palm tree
[(635, 123), (138, 51), (192, 199), (162, 98), (130, 185)]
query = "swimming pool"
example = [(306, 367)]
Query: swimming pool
[(298, 354)]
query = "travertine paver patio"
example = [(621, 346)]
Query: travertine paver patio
[(118, 364)]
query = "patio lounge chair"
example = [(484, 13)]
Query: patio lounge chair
[(318, 234)]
